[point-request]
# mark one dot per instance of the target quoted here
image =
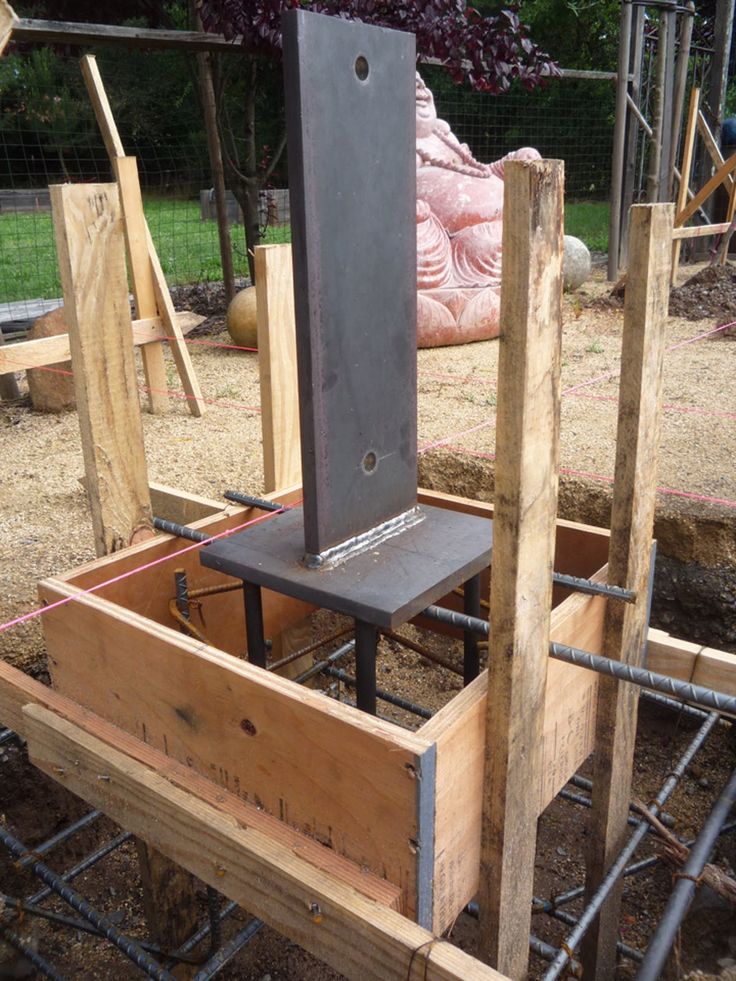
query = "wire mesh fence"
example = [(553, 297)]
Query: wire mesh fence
[(48, 134)]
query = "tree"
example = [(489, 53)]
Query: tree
[(488, 51)]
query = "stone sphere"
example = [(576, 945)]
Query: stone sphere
[(241, 318), (576, 263)]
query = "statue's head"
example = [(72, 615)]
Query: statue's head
[(426, 112)]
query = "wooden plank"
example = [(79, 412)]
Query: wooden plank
[(527, 447), (712, 147), (459, 731), (114, 147), (705, 192), (700, 231), (277, 366), (44, 351), (178, 506), (8, 21), (358, 937), (141, 277), (89, 244), (687, 166), (18, 690), (632, 521), (691, 662), (256, 734), (76, 33)]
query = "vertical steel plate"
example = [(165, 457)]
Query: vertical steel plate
[(351, 142)]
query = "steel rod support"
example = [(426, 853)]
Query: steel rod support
[(366, 645), (254, 625)]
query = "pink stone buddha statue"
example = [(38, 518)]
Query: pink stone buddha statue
[(459, 228)]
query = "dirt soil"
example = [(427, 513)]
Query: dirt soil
[(45, 529)]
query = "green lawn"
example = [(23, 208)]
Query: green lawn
[(588, 221), (188, 247)]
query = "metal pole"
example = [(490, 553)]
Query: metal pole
[(385, 696), (366, 643), (619, 140), (254, 624), (591, 910), (681, 69), (471, 608), (687, 883)]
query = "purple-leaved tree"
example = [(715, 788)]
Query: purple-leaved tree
[(487, 51)]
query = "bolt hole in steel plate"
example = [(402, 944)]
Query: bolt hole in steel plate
[(362, 68), (370, 462)]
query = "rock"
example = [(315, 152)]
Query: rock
[(51, 390), (576, 263), (241, 318)]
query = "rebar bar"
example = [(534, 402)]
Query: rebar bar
[(92, 859), (422, 651), (254, 502), (6, 735), (687, 882), (714, 700), (40, 963), (181, 531), (80, 905), (309, 649), (591, 910), (584, 784), (385, 696), (454, 619), (228, 951), (61, 836), (317, 668), (593, 588)]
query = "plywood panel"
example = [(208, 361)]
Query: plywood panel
[(319, 765)]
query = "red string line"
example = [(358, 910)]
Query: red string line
[(705, 498), (173, 393), (25, 617)]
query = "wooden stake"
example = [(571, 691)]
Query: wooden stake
[(632, 520), (8, 382), (687, 166), (89, 243), (143, 241), (705, 192), (277, 367), (527, 436)]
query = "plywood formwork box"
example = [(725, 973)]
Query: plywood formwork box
[(404, 805)]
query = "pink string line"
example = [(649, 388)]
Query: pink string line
[(159, 391), (705, 498), (667, 406), (39, 611)]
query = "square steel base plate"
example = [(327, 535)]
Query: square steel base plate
[(385, 585)]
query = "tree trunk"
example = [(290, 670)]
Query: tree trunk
[(252, 183)]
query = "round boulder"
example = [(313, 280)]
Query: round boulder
[(576, 263), (51, 388), (241, 318)]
